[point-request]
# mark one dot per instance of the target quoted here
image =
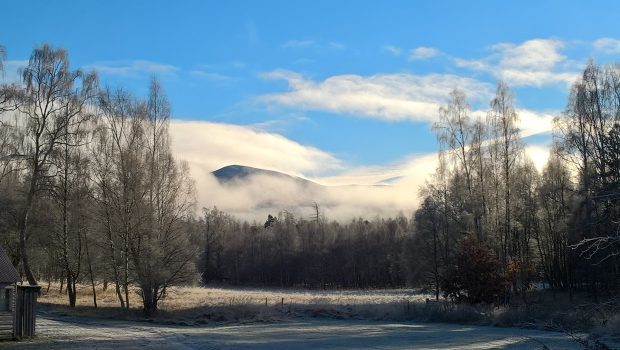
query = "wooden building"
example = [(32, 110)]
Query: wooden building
[(8, 286), (17, 303)]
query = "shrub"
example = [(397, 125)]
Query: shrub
[(475, 277)]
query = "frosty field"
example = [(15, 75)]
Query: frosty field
[(301, 334), (227, 318), (182, 298)]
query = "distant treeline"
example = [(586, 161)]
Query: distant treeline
[(314, 253), (91, 193)]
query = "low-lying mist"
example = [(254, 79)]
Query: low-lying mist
[(256, 196), (342, 192)]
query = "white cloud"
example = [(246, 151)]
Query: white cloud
[(393, 97), (129, 68), (396, 51), (259, 195), (208, 146), (423, 53), (607, 45), (536, 54), (530, 122), (539, 154), (367, 199), (535, 62), (534, 123), (347, 193), (214, 145), (399, 96)]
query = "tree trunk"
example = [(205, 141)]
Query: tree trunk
[(22, 225), (113, 257), (126, 271), (150, 298), (71, 289), (62, 283), (90, 271)]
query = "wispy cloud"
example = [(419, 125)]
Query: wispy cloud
[(279, 125), (303, 60), (252, 34), (423, 53), (336, 45), (394, 97), (238, 64), (535, 62), (314, 44), (607, 45), (298, 44), (135, 67), (213, 76), (418, 166), (394, 50)]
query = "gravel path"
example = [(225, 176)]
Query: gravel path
[(304, 334)]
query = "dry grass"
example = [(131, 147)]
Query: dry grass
[(196, 305), (189, 305), (183, 298)]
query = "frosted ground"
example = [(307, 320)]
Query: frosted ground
[(227, 318), (300, 334), (179, 298)]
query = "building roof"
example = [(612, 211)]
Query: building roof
[(8, 273)]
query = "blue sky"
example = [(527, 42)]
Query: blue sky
[(332, 75)]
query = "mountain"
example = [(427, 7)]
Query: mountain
[(239, 173), (253, 193), (389, 181), (232, 174)]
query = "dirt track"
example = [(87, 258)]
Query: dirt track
[(87, 333)]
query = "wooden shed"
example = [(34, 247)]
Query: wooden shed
[(17, 303), (8, 286)]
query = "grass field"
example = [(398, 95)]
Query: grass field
[(180, 298), (189, 305), (190, 297)]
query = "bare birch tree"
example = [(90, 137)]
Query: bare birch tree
[(54, 96)]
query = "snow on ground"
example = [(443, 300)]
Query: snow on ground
[(299, 334)]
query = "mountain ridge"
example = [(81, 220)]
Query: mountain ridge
[(236, 173)]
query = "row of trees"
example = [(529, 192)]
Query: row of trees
[(89, 187), (91, 193), (313, 253), (560, 226)]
